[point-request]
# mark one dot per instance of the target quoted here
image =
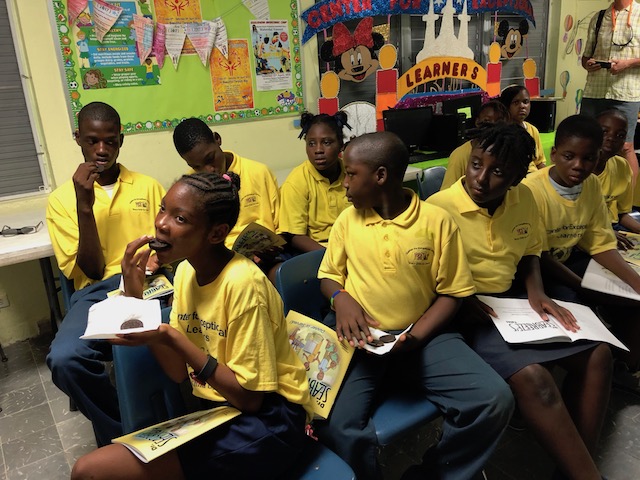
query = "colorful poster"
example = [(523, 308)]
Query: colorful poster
[(115, 61), (179, 11), (272, 54), (231, 77)]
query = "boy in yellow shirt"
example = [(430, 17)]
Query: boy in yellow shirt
[(393, 261), (259, 198), (91, 218), (614, 173), (574, 214), (503, 239)]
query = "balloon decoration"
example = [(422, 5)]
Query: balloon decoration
[(568, 25), (579, 50), (579, 93), (564, 81)]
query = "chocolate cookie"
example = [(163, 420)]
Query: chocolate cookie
[(387, 338), (156, 244), (375, 343), (131, 323)]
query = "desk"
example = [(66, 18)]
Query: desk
[(34, 246)]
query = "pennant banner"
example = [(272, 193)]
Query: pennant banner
[(325, 13), (221, 41), (158, 43), (202, 36), (144, 36), (174, 41), (104, 16), (75, 8)]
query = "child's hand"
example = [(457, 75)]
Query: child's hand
[(134, 266), (352, 322), (624, 243), (267, 256), (543, 305), (157, 336), (406, 342)]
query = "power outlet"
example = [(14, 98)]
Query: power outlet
[(4, 300)]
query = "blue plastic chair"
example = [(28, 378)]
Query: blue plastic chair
[(398, 412), (430, 181), (147, 396)]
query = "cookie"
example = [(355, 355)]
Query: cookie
[(376, 343), (387, 338), (131, 323), (156, 244)]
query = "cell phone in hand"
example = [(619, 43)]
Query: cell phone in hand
[(603, 64)]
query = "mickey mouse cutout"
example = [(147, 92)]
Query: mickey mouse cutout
[(513, 38), (354, 54)]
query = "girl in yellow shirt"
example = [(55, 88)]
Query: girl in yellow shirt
[(227, 335)]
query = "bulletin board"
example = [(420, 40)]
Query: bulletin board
[(248, 84)]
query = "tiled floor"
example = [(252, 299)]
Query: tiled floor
[(40, 439)]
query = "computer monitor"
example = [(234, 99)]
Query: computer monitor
[(467, 105), (410, 124), (446, 133)]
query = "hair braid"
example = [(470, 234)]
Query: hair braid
[(218, 194)]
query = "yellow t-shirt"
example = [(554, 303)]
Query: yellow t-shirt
[(583, 222), (310, 205), (396, 268), (615, 181), (238, 319), (259, 198), (540, 160), (128, 215), (457, 165), (494, 244)]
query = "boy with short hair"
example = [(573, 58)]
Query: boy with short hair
[(259, 197), (614, 172), (393, 261), (574, 214), (91, 218)]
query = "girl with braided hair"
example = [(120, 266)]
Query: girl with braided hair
[(227, 334), (312, 196), (503, 238)]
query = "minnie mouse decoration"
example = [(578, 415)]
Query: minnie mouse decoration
[(354, 54)]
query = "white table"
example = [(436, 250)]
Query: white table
[(33, 246)]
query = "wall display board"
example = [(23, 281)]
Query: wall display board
[(226, 60)]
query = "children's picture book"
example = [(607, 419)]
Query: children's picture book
[(383, 341), (155, 286), (121, 315), (517, 322), (151, 442), (254, 239), (632, 255), (598, 278), (323, 356)]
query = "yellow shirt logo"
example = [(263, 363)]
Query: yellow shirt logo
[(420, 256), (251, 200), (139, 205), (521, 231)]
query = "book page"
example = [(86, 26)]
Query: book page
[(256, 238), (155, 286), (598, 278), (323, 356), (517, 322), (151, 442), (121, 315), (632, 255)]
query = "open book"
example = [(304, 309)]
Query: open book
[(149, 443), (120, 315), (517, 322), (323, 356), (155, 286), (633, 254), (256, 238), (598, 278)]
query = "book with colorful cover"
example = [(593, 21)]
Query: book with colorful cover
[(323, 356), (151, 442), (254, 239), (155, 286)]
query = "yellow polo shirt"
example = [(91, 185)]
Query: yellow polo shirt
[(310, 205), (540, 160), (128, 215), (583, 222), (396, 268), (238, 319), (259, 198), (457, 165), (496, 243), (615, 181)]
